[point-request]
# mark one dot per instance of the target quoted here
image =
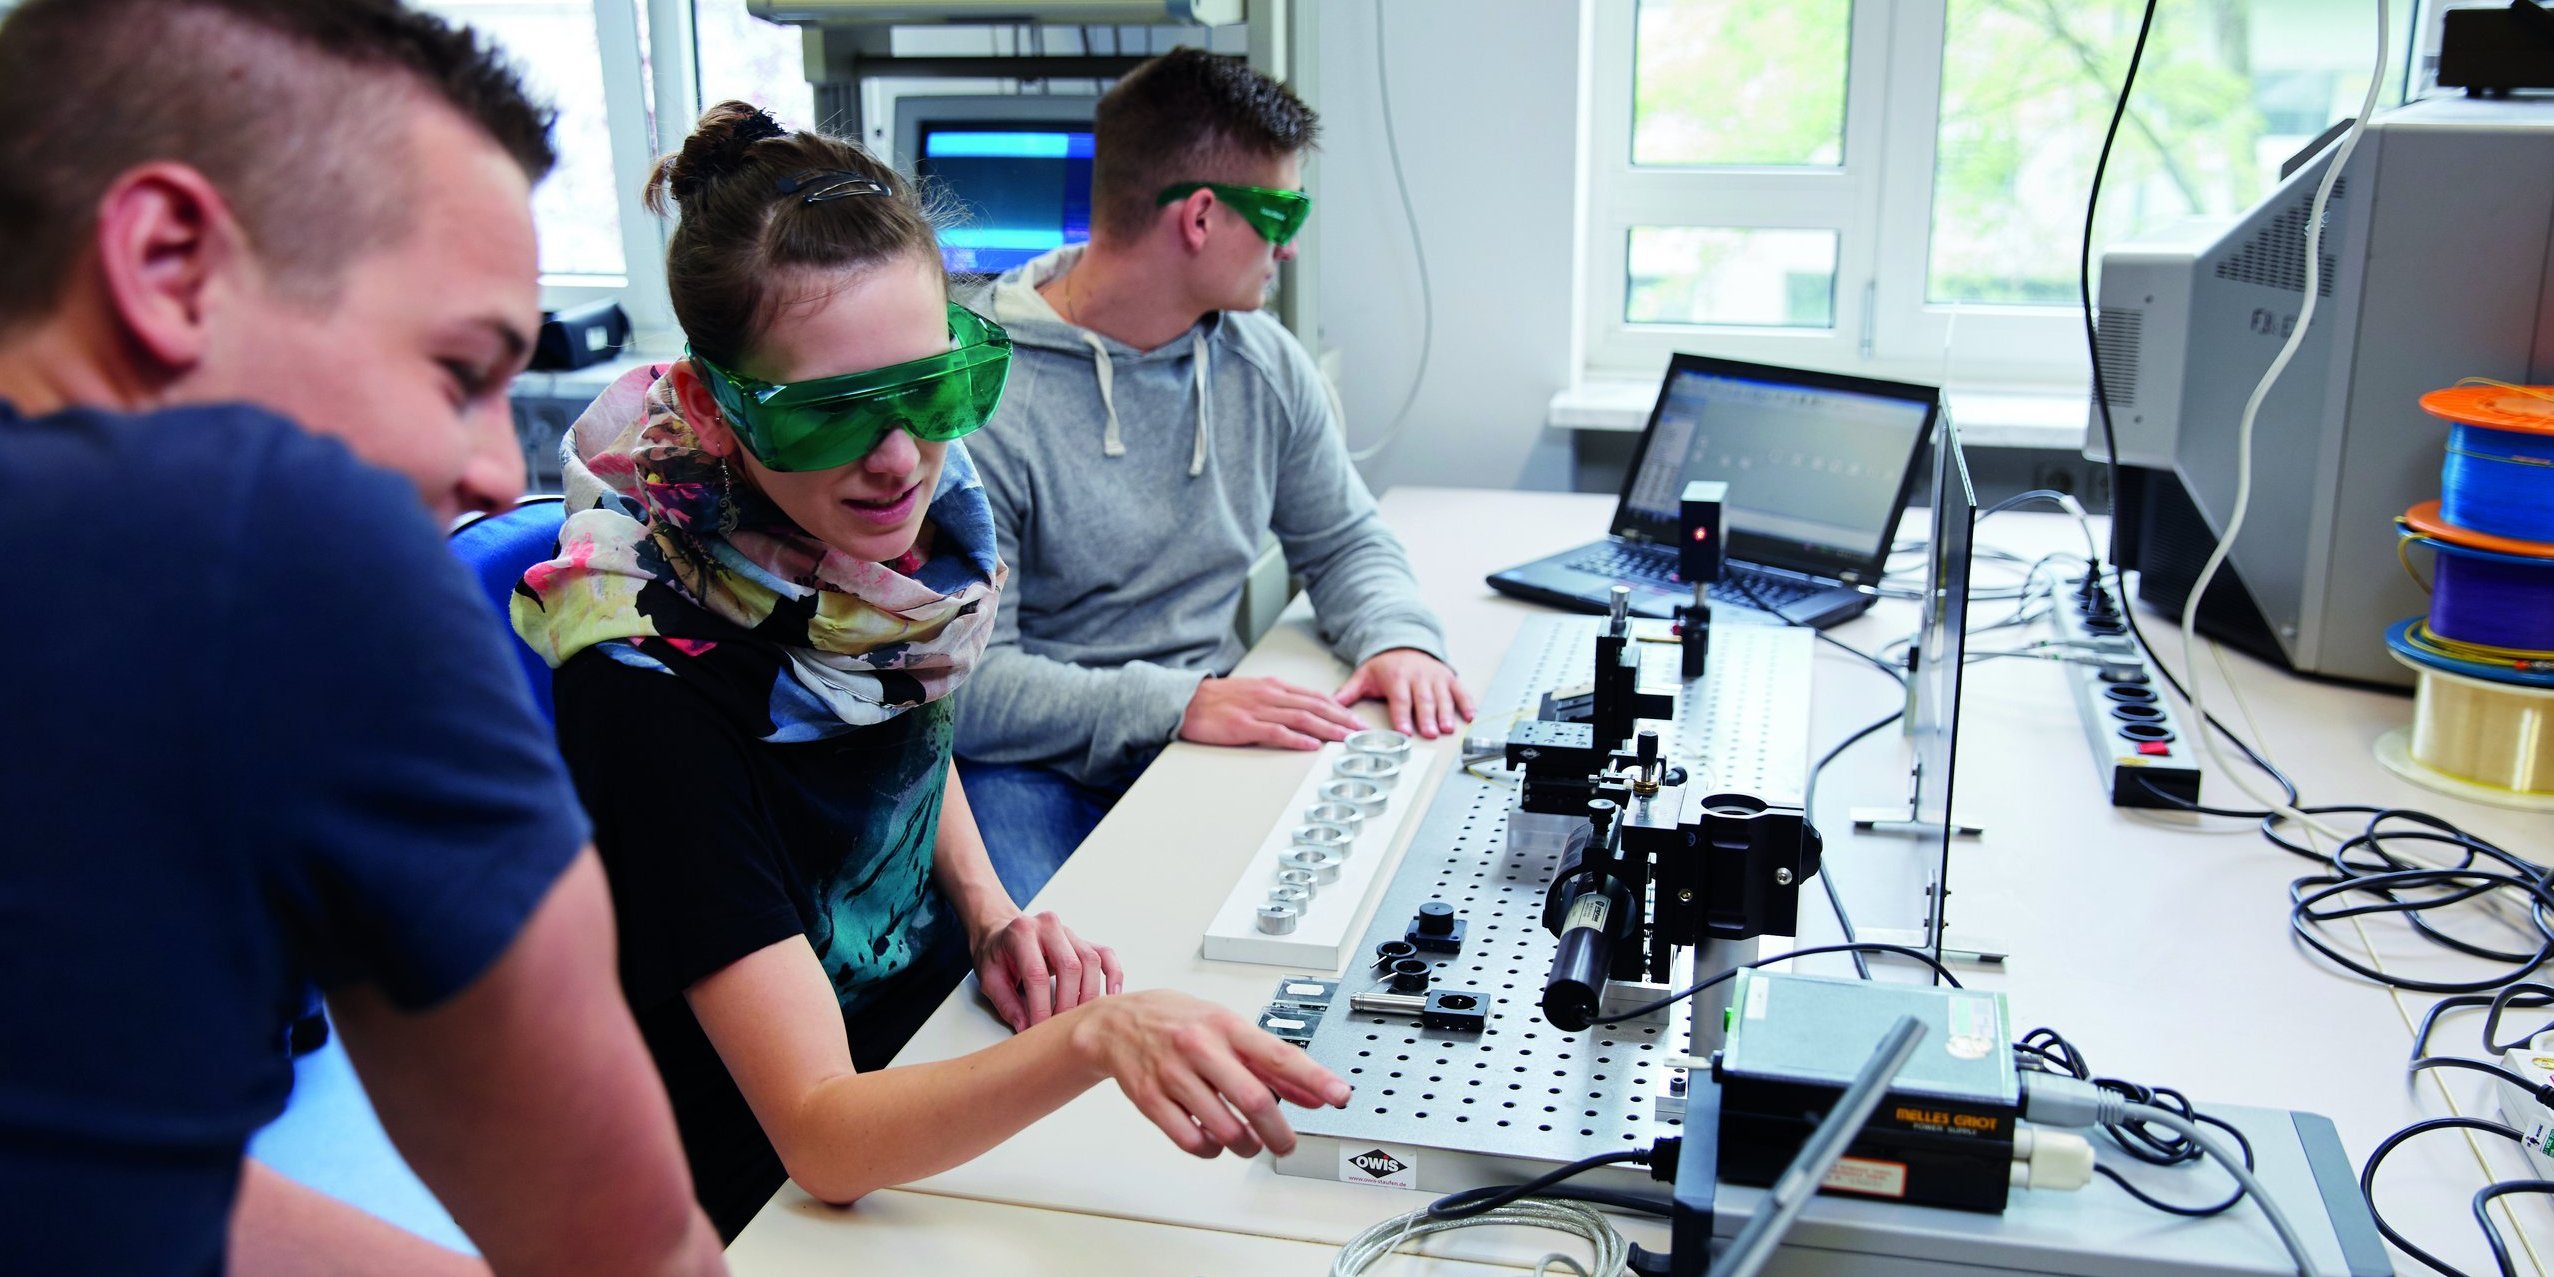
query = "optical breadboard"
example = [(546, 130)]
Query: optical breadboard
[(1464, 1109), (1329, 921), (1443, 1110)]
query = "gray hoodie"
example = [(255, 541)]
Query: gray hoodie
[(1130, 492)]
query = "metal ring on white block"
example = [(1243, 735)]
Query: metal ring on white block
[(1344, 815), (1381, 743), (1322, 865), (1298, 878), (1334, 839), (1277, 919), (1373, 768), (1296, 896), (1364, 795)]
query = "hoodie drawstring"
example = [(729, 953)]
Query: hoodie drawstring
[(1112, 440), (1111, 443), (1197, 454)]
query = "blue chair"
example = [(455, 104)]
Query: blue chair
[(499, 548)]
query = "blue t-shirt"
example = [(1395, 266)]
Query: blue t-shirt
[(257, 728)]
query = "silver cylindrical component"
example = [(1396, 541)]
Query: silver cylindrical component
[(1364, 795), (1297, 878), (1277, 919), (1322, 865), (1333, 839), (1296, 896), (1376, 768), (1341, 814), (1380, 743)]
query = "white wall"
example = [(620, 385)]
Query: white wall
[(1484, 99)]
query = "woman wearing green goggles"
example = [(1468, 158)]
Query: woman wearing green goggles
[(778, 569), (825, 422)]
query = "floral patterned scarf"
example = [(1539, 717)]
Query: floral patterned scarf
[(667, 565)]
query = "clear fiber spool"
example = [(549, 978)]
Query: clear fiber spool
[(2476, 738)]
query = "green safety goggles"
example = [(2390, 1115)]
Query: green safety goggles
[(1276, 215), (834, 421)]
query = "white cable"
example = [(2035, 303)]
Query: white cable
[(2243, 444), (1613, 1254)]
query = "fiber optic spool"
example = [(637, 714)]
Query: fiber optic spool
[(1380, 743), (2498, 476), (1343, 815), (1277, 919), (2477, 732), (1364, 795), (1332, 840), (2484, 595), (1322, 865), (1376, 769)]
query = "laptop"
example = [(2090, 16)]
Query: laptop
[(1819, 467)]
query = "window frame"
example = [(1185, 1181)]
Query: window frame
[(1879, 203)]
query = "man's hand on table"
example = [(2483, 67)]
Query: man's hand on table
[(1420, 693), (1264, 711), (1032, 966), (1205, 1076)]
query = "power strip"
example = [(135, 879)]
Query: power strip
[(2534, 1061), (2143, 756)]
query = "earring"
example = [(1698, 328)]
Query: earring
[(727, 513)]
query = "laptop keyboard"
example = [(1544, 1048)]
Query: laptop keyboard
[(1656, 567)]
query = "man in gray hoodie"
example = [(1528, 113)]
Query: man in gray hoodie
[(1157, 425)]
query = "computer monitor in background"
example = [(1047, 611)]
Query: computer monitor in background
[(1018, 167), (2437, 263)]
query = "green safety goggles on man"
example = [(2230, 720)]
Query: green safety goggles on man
[(834, 421), (1275, 214)]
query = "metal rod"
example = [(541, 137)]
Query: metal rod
[(1782, 1204), (1387, 1003)]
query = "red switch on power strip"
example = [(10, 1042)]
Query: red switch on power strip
[(2154, 747)]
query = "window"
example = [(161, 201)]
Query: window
[(747, 59), (554, 43), (1897, 188)]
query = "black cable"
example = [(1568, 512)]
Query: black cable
[(1481, 1201), (1747, 588), (1672, 999), (1826, 868), (2102, 406), (2385, 1147), (2478, 1066), (2046, 1049), (2491, 1231), (1610, 1198)]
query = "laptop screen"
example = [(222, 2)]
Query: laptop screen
[(1817, 465)]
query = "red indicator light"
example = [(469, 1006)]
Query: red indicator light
[(1702, 534), (2152, 747)]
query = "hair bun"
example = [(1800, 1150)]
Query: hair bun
[(718, 148)]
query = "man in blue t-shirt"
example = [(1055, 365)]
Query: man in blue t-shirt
[(269, 267)]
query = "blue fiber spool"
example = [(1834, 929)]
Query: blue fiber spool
[(2499, 482), (2488, 597), (2498, 478)]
